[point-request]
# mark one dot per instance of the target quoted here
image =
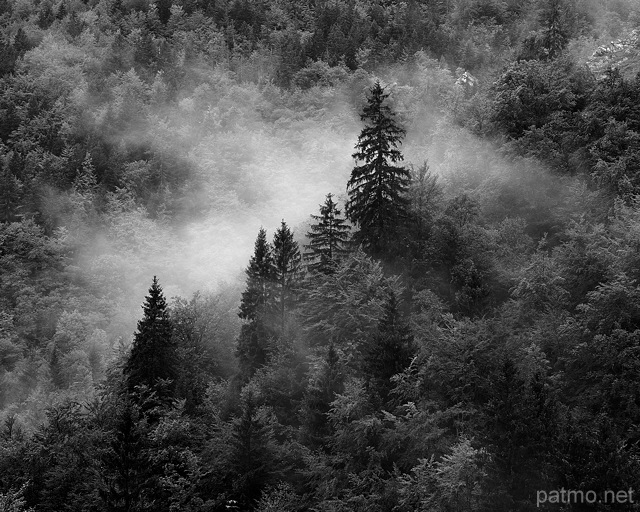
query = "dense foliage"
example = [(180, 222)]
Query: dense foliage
[(470, 339)]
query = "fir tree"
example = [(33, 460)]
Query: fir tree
[(377, 188), (328, 238), (286, 257), (152, 357), (254, 335)]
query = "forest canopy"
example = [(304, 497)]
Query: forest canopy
[(386, 254)]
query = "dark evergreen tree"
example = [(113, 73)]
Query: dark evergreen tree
[(317, 401), (75, 26), (389, 352), (164, 10), (5, 7), (252, 460), (523, 422), (259, 277), (21, 42), (328, 238), (122, 461), (45, 16), (61, 12), (10, 191), (254, 335), (377, 188), (286, 259), (553, 18), (8, 57), (55, 368), (152, 362)]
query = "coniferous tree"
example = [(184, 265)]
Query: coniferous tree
[(55, 367), (328, 238), (252, 461), (10, 191), (377, 188), (254, 335), (123, 465), (21, 42), (317, 401), (286, 258), (152, 357), (259, 276), (389, 351), (8, 58), (553, 18)]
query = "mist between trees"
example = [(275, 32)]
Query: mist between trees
[(389, 253)]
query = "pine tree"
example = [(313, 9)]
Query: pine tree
[(328, 238), (377, 188), (254, 335), (389, 351), (286, 258), (152, 361)]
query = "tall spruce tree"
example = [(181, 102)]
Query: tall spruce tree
[(152, 362), (377, 188), (255, 334), (286, 259), (328, 238)]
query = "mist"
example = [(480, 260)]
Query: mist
[(258, 155)]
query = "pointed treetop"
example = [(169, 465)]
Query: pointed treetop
[(377, 187), (155, 302), (259, 273), (153, 357), (285, 250), (328, 238)]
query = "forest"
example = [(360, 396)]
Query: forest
[(387, 255)]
